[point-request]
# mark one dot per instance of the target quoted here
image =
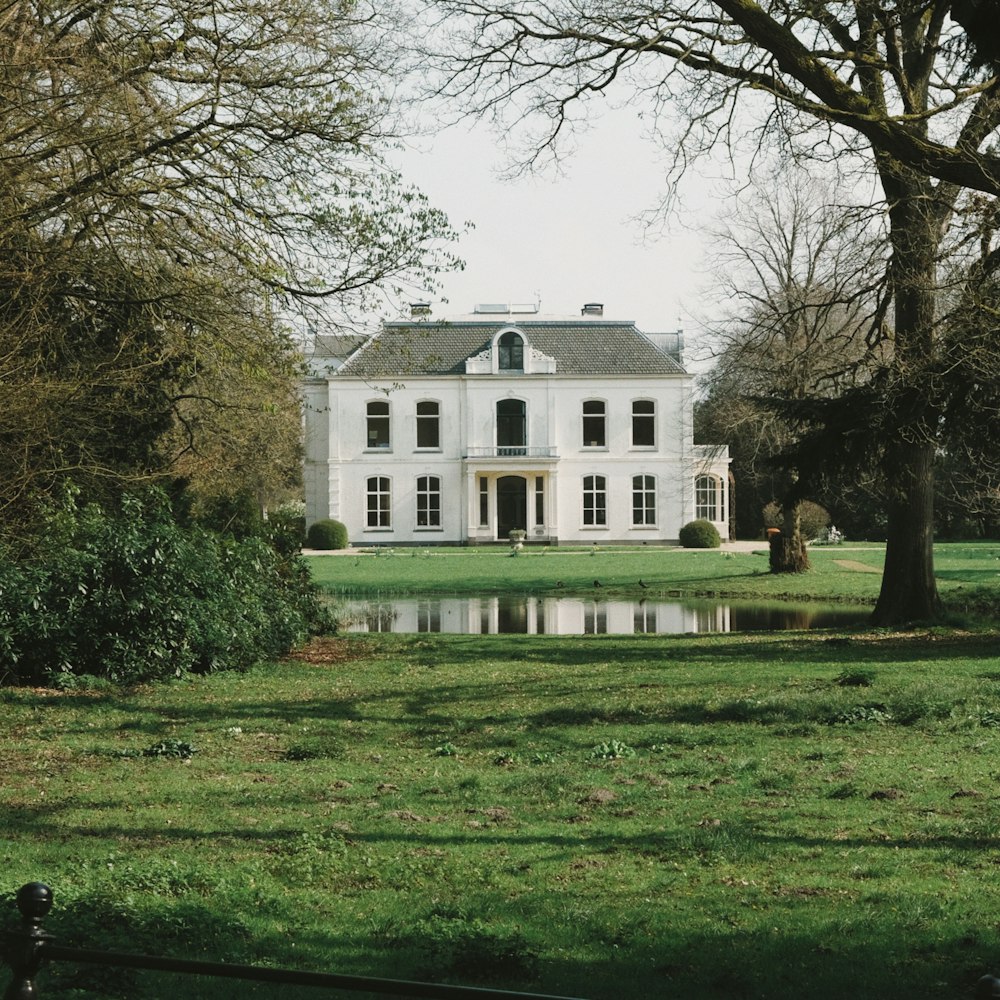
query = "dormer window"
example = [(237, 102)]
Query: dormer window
[(510, 348), (510, 352)]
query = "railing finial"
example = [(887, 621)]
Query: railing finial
[(23, 946), (34, 900), (988, 988)]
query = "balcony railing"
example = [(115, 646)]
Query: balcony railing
[(512, 451)]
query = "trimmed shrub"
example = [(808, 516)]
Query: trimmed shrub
[(700, 535), (327, 534), (772, 515), (131, 596), (812, 518)]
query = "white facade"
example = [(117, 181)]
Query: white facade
[(485, 424)]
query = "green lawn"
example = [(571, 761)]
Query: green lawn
[(695, 816), (837, 574)]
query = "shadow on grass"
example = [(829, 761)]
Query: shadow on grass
[(564, 836), (879, 948), (584, 682), (879, 959), (656, 651), (977, 577)]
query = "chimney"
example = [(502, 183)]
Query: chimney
[(592, 309), (418, 309)]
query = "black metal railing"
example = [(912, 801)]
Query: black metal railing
[(28, 947), (512, 451)]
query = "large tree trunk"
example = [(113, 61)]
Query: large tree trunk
[(909, 592), (916, 216), (788, 548)]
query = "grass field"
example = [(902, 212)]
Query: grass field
[(697, 817), (605, 817), (837, 574)]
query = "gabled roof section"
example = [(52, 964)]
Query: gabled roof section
[(580, 347)]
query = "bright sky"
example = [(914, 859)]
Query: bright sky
[(572, 238)]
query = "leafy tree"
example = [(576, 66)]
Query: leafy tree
[(182, 185), (967, 382), (796, 270), (884, 87), (979, 19), (237, 425)]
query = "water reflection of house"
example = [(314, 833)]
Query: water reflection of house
[(536, 616), (458, 432)]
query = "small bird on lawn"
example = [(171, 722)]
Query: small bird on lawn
[(597, 583), (645, 586), (559, 583)]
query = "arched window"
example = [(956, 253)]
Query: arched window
[(595, 500), (643, 423), (706, 498), (643, 500), (428, 502), (594, 423), (512, 431), (428, 425), (510, 349), (379, 499), (378, 425)]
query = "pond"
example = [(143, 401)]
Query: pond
[(581, 616)]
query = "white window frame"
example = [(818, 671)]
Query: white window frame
[(509, 336), (644, 491), (512, 449), (597, 513), (382, 509), (484, 502), (602, 444), (425, 420), (380, 418), (707, 497), (432, 515), (651, 417)]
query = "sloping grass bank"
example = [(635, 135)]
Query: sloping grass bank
[(606, 817)]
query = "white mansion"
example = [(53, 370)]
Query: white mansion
[(574, 430)]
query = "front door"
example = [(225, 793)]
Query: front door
[(512, 505)]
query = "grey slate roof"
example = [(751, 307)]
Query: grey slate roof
[(338, 345), (590, 347)]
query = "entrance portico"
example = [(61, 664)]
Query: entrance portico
[(508, 493)]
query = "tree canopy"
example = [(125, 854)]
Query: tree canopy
[(183, 186), (891, 89), (801, 267), (896, 74)]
